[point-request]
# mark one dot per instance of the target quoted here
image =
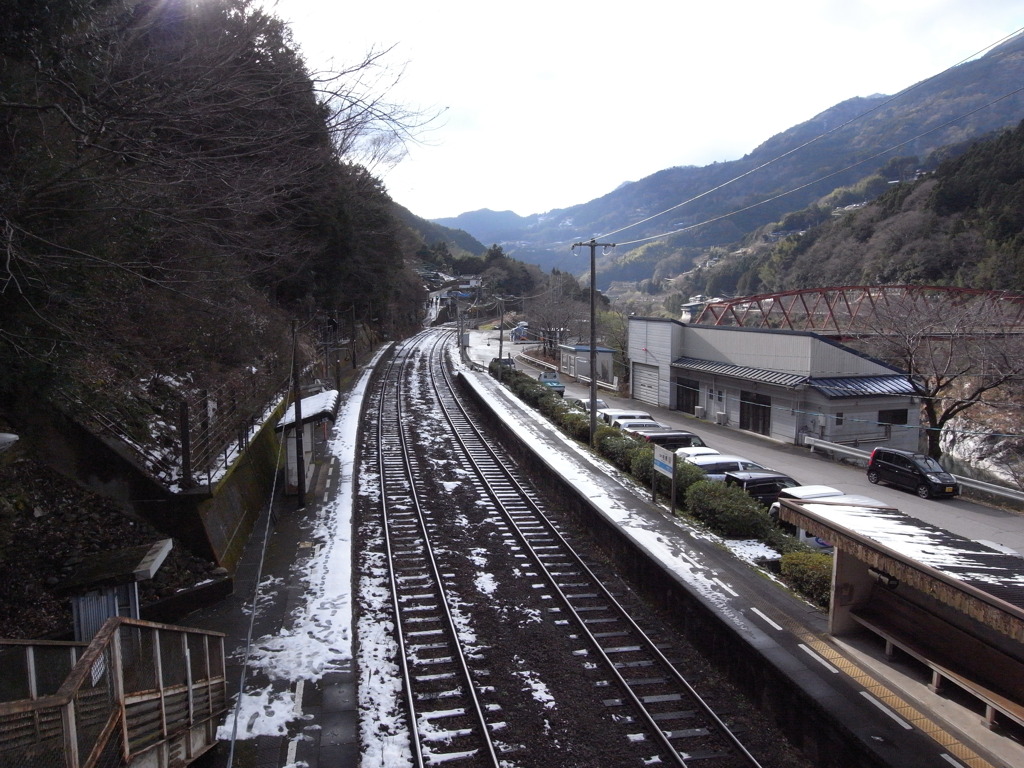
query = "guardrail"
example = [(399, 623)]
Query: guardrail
[(991, 489), (537, 363), (140, 691)]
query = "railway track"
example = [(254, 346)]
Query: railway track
[(462, 696)]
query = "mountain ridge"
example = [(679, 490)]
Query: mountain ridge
[(840, 146)]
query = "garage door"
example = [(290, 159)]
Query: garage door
[(645, 383)]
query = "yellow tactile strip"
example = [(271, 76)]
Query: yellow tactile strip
[(893, 701)]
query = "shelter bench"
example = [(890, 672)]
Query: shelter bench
[(949, 652)]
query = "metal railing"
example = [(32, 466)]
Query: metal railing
[(139, 688), (991, 489)]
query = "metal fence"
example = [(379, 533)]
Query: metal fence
[(216, 425), (861, 457), (207, 430), (139, 688)]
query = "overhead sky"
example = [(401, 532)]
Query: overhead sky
[(549, 104)]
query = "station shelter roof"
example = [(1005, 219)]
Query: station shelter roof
[(982, 582), (313, 408), (831, 387)]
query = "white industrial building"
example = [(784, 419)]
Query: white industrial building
[(781, 384)]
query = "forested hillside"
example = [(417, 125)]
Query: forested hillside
[(962, 225), (849, 152), (175, 189)]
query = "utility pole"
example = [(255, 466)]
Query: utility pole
[(300, 460), (593, 330), (352, 342), (501, 336)]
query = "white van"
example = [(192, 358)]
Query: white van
[(609, 415), (811, 492)]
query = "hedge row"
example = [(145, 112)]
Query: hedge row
[(727, 510)]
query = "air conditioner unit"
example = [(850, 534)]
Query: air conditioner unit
[(720, 417), (698, 411)]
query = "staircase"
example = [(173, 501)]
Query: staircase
[(140, 695)]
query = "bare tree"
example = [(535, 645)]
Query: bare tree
[(180, 149), (957, 349), (557, 313)]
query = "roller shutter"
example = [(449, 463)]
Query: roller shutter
[(645, 383)]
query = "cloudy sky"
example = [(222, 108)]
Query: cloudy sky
[(550, 104)]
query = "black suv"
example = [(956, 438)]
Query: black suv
[(763, 485), (913, 471)]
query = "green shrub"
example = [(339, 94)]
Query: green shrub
[(809, 574), (574, 422), (783, 542), (686, 475), (616, 446), (727, 510), (642, 464)]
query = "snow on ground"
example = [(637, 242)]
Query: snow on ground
[(319, 638)]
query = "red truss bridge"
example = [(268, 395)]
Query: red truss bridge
[(859, 310)]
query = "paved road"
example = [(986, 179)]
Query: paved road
[(961, 516), (841, 673)]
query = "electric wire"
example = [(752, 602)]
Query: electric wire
[(820, 136), (875, 156), (247, 654)]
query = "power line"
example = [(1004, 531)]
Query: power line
[(808, 143), (813, 181)]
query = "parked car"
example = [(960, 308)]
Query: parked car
[(715, 465), (696, 450), (763, 485), (811, 492), (669, 438), (608, 415), (504, 362), (550, 380), (584, 404), (630, 424), (912, 471)]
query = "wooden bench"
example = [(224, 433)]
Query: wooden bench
[(990, 675)]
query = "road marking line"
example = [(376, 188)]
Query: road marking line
[(293, 745), (770, 622), (886, 710), (726, 587), (818, 658)]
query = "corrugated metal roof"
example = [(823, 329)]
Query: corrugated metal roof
[(862, 386), (584, 347), (998, 574), (832, 387), (779, 378)]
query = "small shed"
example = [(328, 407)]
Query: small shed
[(314, 409), (107, 585), (574, 360)]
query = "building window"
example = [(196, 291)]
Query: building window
[(894, 416), (756, 412), (839, 419)]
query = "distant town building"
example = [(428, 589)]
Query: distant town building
[(780, 384)]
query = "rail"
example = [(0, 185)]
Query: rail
[(991, 489), (660, 697), (139, 691), (426, 630)]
